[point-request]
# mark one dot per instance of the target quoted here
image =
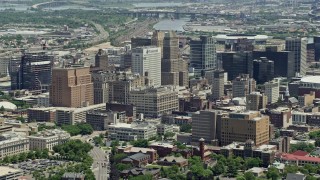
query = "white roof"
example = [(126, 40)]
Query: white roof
[(8, 105), (5, 170), (311, 79), (240, 36)]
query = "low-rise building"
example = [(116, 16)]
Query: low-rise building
[(47, 139), (280, 117), (42, 114), (137, 160), (172, 160), (100, 119), (135, 130), (12, 144), (164, 128), (130, 150), (8, 173), (72, 176)]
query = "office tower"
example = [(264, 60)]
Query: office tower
[(271, 90), (243, 126), (204, 125), (203, 55), (4, 65), (316, 41), (14, 67), (263, 70), (155, 102), (71, 87), (101, 60), (243, 44), (218, 84), (283, 61), (100, 87), (126, 61), (256, 101), (243, 85), (310, 52), (140, 41), (299, 47), (35, 71), (174, 71), (157, 39), (146, 61), (235, 63)]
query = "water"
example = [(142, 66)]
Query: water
[(168, 24), (147, 5)]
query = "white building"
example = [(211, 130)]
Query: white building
[(8, 173), (135, 130), (12, 144), (299, 117), (48, 139), (147, 62), (272, 90)]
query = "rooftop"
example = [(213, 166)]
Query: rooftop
[(311, 79), (5, 170)]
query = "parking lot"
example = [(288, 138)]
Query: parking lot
[(39, 164)]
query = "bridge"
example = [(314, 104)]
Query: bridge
[(173, 14)]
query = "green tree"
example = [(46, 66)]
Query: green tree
[(168, 135), (14, 159), (273, 173), (252, 162), (185, 128), (142, 177), (121, 166), (2, 109), (140, 143), (218, 169), (22, 156), (232, 170), (249, 176)]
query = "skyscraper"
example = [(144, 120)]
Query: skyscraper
[(263, 70), (174, 71), (101, 60), (146, 61), (243, 85), (235, 63), (71, 87), (299, 47), (203, 55), (271, 90), (35, 71), (157, 39), (218, 84)]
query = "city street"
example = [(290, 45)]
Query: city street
[(100, 166)]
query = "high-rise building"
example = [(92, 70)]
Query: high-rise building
[(174, 71), (101, 60), (204, 125), (126, 61), (218, 84), (316, 41), (243, 126), (4, 65), (146, 61), (140, 41), (263, 70), (243, 85), (71, 87), (256, 101), (299, 47), (35, 71), (100, 87), (155, 102), (14, 67), (271, 90), (235, 63), (157, 39), (283, 61), (203, 55)]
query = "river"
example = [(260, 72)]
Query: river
[(168, 24)]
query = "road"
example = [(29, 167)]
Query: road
[(100, 166)]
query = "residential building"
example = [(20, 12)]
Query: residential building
[(271, 90), (236, 63), (204, 125), (263, 70), (283, 61), (35, 71), (12, 144), (129, 132), (146, 61), (256, 101), (243, 85), (203, 55), (299, 47), (75, 115), (8, 173), (71, 87), (47, 139), (100, 119), (154, 102), (242, 126)]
